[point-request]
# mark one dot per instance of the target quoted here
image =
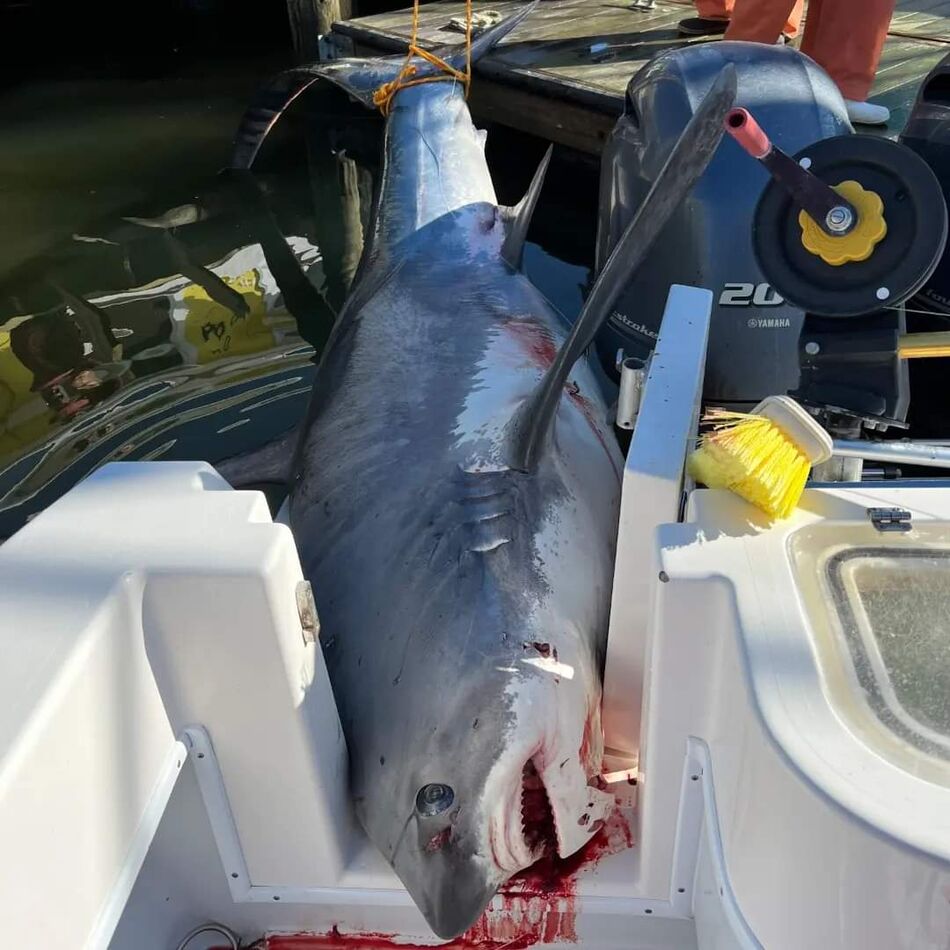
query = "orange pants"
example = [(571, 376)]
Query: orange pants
[(754, 20), (845, 37)]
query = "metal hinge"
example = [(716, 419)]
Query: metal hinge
[(890, 519)]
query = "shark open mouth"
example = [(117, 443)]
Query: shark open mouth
[(523, 827), (542, 806), (537, 816)]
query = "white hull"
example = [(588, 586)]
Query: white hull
[(170, 751)]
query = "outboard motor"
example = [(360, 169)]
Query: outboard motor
[(811, 237), (754, 336), (928, 133)]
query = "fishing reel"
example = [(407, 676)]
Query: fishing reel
[(848, 229)]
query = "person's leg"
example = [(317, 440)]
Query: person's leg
[(845, 38), (714, 9), (712, 20), (763, 21)]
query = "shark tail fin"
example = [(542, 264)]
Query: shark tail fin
[(486, 40), (359, 78), (269, 104)]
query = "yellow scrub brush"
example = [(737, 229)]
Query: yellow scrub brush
[(763, 456)]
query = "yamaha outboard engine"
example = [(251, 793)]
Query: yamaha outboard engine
[(928, 133), (754, 335), (811, 237)]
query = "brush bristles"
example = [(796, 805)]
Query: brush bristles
[(751, 456)]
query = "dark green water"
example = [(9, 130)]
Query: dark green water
[(151, 308)]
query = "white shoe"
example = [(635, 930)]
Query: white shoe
[(866, 113)]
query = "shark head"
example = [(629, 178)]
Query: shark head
[(472, 805), (476, 748)]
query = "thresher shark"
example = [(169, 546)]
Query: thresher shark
[(485, 679)]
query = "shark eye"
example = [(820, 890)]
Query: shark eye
[(434, 799)]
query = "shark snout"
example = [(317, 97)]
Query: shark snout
[(531, 806), (447, 878)]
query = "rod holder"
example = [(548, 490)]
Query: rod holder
[(633, 374), (908, 453)]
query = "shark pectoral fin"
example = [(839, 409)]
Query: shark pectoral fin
[(270, 463), (534, 419), (519, 217)]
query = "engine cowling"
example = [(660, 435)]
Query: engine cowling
[(754, 335)]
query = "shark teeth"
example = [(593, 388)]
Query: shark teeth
[(537, 816)]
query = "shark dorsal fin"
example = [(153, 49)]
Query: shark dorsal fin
[(533, 421), (519, 217)]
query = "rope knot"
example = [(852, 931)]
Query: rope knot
[(384, 95)]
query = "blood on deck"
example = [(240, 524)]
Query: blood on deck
[(535, 908)]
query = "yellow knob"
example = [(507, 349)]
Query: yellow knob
[(858, 244)]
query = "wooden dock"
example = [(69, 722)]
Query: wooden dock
[(562, 74)]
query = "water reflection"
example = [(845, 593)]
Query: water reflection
[(190, 331), (133, 374), (183, 357)]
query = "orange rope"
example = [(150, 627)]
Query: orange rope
[(383, 97)]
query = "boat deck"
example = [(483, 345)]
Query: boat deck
[(563, 74)]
